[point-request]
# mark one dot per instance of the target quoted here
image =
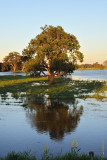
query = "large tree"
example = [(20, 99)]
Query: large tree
[(13, 59), (55, 50)]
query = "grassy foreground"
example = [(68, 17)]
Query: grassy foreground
[(63, 88), (67, 156)]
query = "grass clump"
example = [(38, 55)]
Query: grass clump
[(19, 156)]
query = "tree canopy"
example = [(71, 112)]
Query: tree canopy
[(13, 60), (54, 50)]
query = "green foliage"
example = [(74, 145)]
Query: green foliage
[(13, 60), (32, 66), (55, 51)]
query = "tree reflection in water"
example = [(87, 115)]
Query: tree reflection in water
[(53, 116)]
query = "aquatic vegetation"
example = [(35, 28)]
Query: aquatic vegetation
[(102, 152), (63, 88), (74, 147), (17, 83), (46, 156)]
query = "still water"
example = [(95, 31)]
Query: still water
[(11, 73), (28, 123), (84, 74), (90, 74)]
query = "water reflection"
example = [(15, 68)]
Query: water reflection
[(56, 117), (53, 116)]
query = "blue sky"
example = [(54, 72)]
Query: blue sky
[(20, 21)]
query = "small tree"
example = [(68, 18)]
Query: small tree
[(13, 59), (55, 50)]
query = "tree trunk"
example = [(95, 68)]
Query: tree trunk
[(59, 74), (14, 68), (52, 78), (23, 67), (48, 77)]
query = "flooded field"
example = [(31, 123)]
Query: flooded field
[(29, 123)]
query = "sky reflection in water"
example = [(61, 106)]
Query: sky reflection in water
[(30, 123)]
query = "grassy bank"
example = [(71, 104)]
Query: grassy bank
[(91, 69), (63, 88), (45, 156)]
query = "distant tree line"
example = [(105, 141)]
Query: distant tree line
[(95, 65)]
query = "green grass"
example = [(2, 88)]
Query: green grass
[(13, 80), (45, 156), (62, 88), (17, 83)]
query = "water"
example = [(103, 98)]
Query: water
[(11, 73), (28, 123), (82, 74), (90, 74)]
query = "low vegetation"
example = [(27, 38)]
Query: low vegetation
[(63, 88), (45, 156)]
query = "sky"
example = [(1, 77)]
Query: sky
[(20, 21)]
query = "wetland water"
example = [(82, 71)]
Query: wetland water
[(90, 74), (11, 73), (28, 123), (84, 74)]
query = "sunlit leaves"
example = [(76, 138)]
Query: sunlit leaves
[(55, 50)]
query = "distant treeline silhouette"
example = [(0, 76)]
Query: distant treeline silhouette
[(95, 65)]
